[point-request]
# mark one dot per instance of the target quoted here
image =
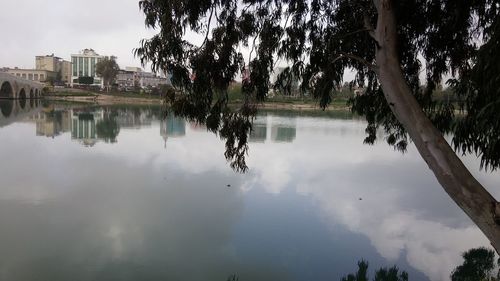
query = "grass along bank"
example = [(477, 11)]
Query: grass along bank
[(235, 98)]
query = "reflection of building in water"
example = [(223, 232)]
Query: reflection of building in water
[(52, 123), (172, 126), (283, 133), (83, 125), (259, 129), (134, 118), (278, 129)]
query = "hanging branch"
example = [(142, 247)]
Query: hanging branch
[(359, 59), (214, 7)]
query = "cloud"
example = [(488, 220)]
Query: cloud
[(403, 211), (392, 199), (112, 27)]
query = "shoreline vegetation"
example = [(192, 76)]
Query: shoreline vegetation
[(111, 98), (293, 102)]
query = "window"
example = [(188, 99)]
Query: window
[(42, 77), (75, 66), (80, 66), (80, 129), (74, 129), (36, 77), (92, 67), (92, 130), (30, 76), (86, 67), (24, 75)]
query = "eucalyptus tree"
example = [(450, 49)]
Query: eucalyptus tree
[(107, 68), (387, 43)]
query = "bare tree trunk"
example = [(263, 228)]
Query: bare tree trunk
[(449, 170)]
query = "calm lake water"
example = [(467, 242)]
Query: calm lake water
[(117, 193)]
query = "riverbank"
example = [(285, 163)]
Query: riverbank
[(104, 100), (112, 99)]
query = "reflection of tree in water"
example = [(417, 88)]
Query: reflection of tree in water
[(6, 107), (383, 274), (55, 115), (108, 129), (479, 264)]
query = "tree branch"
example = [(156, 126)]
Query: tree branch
[(208, 26), (359, 59)]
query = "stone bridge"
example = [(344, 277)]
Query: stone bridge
[(12, 111), (13, 87)]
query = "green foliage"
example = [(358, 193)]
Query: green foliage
[(50, 80), (108, 129), (235, 92), (383, 274), (478, 266), (107, 68), (480, 88), (45, 90), (319, 40)]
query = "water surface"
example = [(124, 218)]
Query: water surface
[(118, 193)]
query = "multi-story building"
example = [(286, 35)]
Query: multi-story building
[(135, 76), (33, 74), (150, 80), (127, 79), (66, 70), (55, 64), (133, 69), (48, 62), (83, 68)]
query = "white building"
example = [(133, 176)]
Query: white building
[(83, 72), (151, 80), (140, 78)]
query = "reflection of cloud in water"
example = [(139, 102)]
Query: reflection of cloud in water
[(430, 246), (403, 210), (94, 216), (123, 227), (134, 208)]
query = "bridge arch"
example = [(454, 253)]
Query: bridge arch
[(6, 90), (22, 98), (6, 107), (32, 98)]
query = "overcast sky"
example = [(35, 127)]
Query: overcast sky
[(41, 27)]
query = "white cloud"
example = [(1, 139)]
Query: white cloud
[(403, 211), (31, 28), (372, 191)]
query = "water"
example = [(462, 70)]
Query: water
[(117, 194)]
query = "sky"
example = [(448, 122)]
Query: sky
[(43, 27), (111, 27)]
